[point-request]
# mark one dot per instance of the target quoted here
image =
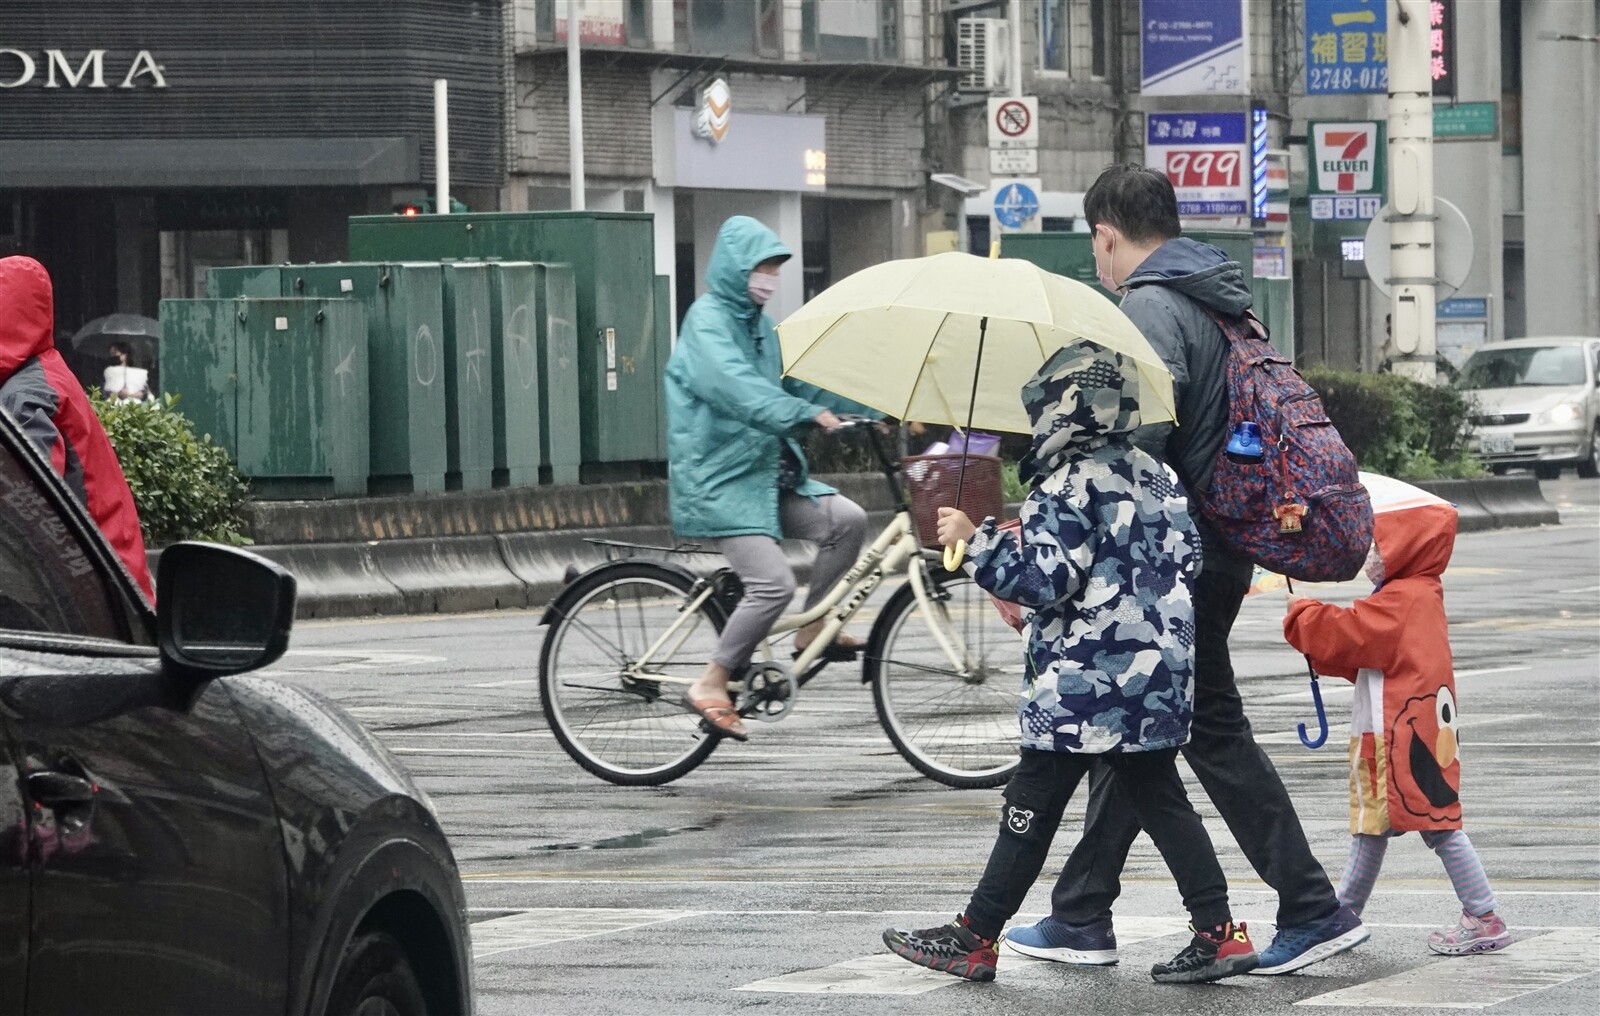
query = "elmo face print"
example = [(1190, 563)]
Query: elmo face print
[(1422, 761)]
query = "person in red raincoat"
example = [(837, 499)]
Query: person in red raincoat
[(1405, 759), (41, 393)]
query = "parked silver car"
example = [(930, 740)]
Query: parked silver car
[(1537, 404)]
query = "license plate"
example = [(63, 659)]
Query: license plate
[(1499, 444)]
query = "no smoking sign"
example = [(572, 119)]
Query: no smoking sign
[(1014, 122)]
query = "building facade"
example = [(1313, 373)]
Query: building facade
[(823, 115), (141, 144)]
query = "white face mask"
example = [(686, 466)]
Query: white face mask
[(1374, 566), (761, 287)]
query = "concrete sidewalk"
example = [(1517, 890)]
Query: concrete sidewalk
[(514, 547)]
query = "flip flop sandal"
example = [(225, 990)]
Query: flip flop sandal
[(719, 714)]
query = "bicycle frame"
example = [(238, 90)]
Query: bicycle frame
[(895, 548)]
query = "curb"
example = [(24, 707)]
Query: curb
[(507, 568)]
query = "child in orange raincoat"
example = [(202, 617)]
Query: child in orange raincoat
[(1405, 766)]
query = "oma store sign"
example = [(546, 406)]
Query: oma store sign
[(55, 69)]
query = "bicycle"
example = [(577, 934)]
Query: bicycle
[(626, 637)]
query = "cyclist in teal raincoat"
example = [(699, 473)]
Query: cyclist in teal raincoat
[(737, 472)]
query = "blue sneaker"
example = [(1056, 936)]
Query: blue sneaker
[(1301, 945), (1050, 939)]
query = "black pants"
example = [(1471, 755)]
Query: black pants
[(1236, 775), (1037, 795)]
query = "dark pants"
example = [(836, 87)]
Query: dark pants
[(1037, 795), (1236, 775)]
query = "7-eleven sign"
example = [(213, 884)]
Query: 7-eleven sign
[(1347, 174), (1346, 158)]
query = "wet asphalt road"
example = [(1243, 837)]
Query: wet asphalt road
[(789, 854)]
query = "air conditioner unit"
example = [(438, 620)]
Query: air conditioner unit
[(983, 50)]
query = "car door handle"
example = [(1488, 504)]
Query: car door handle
[(57, 790)]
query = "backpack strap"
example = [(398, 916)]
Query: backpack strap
[(1234, 327)]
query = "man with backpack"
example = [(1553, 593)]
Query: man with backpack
[(1183, 294)]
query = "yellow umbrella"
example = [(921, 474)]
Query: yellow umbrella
[(904, 336), (952, 338)]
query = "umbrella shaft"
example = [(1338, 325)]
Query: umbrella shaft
[(972, 404)]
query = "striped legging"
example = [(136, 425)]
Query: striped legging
[(1454, 849)]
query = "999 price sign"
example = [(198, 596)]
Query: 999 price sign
[(1206, 156)]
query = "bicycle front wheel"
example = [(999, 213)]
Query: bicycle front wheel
[(957, 728), (622, 720)]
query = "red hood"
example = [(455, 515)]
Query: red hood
[(28, 317), (1415, 542)]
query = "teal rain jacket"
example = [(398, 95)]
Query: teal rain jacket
[(728, 408)]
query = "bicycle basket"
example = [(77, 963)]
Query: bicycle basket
[(931, 481)]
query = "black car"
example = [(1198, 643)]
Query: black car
[(174, 839)]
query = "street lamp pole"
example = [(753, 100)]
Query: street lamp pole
[(1411, 214), (575, 107)]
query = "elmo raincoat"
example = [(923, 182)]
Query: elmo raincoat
[(40, 391), (1405, 769)]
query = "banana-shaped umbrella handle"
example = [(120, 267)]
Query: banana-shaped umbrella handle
[(953, 555)]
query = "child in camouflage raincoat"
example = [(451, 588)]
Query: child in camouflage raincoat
[(1106, 561)]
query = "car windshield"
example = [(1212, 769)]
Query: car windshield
[(1524, 367)]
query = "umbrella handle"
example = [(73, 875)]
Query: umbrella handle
[(1322, 717), (953, 555)]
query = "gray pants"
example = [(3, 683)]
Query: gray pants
[(836, 524)]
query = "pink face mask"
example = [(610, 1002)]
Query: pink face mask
[(761, 287)]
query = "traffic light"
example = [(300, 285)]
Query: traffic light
[(424, 206)]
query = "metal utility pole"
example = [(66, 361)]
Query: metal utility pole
[(1015, 12), (575, 107), (441, 146), (1411, 215)]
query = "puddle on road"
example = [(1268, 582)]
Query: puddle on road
[(627, 841)]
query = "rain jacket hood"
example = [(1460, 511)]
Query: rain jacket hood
[(41, 393), (742, 243), (29, 302), (1200, 271), (1416, 542), (730, 411), (1083, 397)]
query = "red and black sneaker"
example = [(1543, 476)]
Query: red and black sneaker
[(1213, 953), (953, 948)]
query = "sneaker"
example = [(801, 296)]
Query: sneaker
[(1210, 956), (1301, 945), (1472, 935), (1092, 944), (952, 948)]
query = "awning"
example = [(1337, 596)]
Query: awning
[(205, 162)]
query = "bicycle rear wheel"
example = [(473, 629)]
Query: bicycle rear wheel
[(958, 730), (625, 726)]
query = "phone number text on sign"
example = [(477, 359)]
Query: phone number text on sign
[(1204, 155)]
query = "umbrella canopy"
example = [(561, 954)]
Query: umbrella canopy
[(141, 334), (903, 336)]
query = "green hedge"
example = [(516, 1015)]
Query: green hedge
[(1397, 426), (185, 487)]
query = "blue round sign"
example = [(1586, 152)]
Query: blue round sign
[(1015, 204)]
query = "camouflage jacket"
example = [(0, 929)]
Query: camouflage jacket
[(1106, 562)]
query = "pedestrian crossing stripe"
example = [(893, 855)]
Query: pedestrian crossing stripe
[(1548, 957), (1521, 968)]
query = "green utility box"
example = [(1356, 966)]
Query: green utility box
[(280, 383), (560, 443), (405, 330), (405, 322), (1069, 254), (621, 350), (469, 379), (514, 306)]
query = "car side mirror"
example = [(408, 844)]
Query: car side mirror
[(221, 610)]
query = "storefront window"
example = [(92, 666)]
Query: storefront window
[(719, 26), (851, 29)]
